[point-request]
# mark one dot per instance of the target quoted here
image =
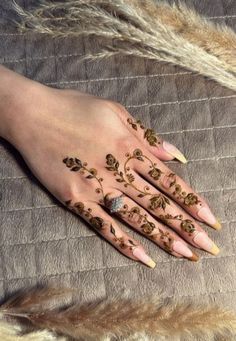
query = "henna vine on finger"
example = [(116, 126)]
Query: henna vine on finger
[(188, 199), (156, 200), (76, 165), (122, 244), (149, 134), (148, 227), (99, 224), (186, 225)]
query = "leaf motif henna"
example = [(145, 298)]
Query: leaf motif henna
[(159, 201), (121, 240), (149, 134), (156, 200), (170, 181)]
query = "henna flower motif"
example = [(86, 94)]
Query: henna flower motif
[(79, 206), (73, 163), (150, 135), (97, 223), (155, 173), (191, 199), (112, 163), (167, 240), (148, 227), (187, 226)]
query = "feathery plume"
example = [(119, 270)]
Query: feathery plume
[(13, 332), (121, 318), (142, 28)]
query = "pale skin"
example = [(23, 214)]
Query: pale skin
[(111, 154)]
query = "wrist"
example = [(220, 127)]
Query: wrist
[(17, 94)]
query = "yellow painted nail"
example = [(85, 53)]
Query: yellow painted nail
[(208, 217), (202, 240), (181, 157), (172, 150), (194, 257), (215, 250), (151, 263), (143, 257), (217, 225)]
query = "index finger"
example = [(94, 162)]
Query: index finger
[(157, 173)]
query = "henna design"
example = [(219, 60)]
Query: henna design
[(186, 225), (98, 223), (188, 199), (148, 227), (76, 165), (79, 208), (121, 240), (156, 200), (149, 134)]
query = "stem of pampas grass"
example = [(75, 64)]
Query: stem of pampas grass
[(142, 28), (119, 318)]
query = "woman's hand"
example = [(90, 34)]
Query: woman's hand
[(87, 151)]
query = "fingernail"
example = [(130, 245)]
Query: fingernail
[(206, 215), (172, 150), (143, 257), (203, 241), (183, 250)]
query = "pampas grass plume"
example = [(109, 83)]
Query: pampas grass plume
[(123, 318), (141, 28)]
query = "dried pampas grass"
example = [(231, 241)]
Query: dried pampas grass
[(120, 318), (13, 332), (142, 28)]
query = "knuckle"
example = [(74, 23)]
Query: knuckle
[(70, 194), (116, 107), (126, 144)]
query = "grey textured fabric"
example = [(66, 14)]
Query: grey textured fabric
[(42, 242)]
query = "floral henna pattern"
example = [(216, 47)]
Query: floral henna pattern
[(156, 200), (188, 199), (76, 165), (148, 227), (99, 224), (79, 208), (149, 134), (186, 225), (131, 245)]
